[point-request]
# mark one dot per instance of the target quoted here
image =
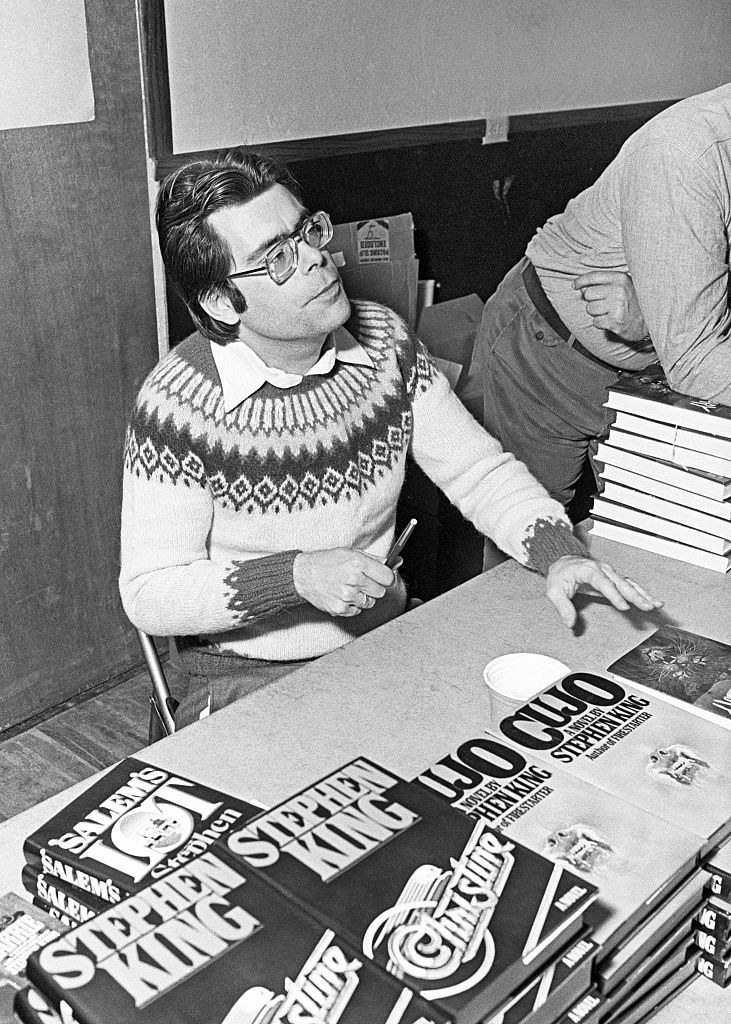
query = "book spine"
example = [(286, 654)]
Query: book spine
[(57, 892), (718, 884), (32, 1008), (717, 971), (710, 945), (76, 875), (66, 910), (715, 921)]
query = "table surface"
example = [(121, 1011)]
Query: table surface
[(411, 690)]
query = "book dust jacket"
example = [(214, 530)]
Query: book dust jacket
[(638, 747), (212, 944), (23, 929), (448, 907), (632, 857), (688, 670), (133, 826)]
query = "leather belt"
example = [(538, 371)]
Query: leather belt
[(541, 301)]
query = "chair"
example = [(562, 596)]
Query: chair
[(162, 704)]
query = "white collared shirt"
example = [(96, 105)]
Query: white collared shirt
[(242, 372)]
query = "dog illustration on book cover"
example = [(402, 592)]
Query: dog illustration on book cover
[(678, 765), (581, 847)]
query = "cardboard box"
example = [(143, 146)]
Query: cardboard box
[(376, 260), (448, 329)]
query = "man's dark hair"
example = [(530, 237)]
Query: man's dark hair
[(196, 258)]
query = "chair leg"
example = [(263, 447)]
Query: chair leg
[(156, 728)]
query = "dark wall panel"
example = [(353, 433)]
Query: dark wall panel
[(77, 336), (467, 233)]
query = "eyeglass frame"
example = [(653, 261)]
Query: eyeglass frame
[(291, 240)]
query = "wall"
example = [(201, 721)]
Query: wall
[(78, 334), (260, 72)]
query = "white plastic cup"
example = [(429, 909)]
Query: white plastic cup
[(514, 679)]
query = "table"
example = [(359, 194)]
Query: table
[(411, 690)]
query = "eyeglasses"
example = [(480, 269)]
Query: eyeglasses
[(281, 260)]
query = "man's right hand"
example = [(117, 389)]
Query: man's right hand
[(340, 581), (611, 302)]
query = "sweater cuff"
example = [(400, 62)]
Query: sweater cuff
[(261, 586), (550, 540)]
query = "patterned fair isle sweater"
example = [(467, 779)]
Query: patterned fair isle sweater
[(216, 505)]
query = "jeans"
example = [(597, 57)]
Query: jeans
[(543, 400), (209, 679)]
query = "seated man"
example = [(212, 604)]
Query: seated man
[(266, 452), (562, 324)]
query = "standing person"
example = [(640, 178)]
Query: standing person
[(635, 270), (266, 452)]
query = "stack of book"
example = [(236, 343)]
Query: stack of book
[(666, 473), (627, 790), (362, 898), (713, 923)]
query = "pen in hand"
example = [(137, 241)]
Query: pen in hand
[(399, 544)]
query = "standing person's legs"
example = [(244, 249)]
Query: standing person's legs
[(543, 400)]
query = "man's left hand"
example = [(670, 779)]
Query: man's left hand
[(571, 573)]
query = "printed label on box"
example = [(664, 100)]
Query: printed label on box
[(373, 241)]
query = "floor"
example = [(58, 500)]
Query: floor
[(73, 744)]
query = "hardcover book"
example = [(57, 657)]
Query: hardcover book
[(717, 971), (690, 671), (60, 895), (655, 996), (656, 1001), (649, 394), (23, 929), (675, 947), (136, 823), (715, 919), (708, 484), (32, 1008), (659, 526), (661, 545), (588, 1009), (676, 495), (718, 865), (668, 452), (55, 913), (710, 945), (670, 924), (670, 433), (212, 944), (453, 910), (637, 746), (633, 857), (624, 999), (668, 510), (558, 987)]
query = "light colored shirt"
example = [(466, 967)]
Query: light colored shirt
[(242, 372), (661, 212)]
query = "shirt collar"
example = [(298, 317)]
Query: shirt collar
[(242, 372)]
